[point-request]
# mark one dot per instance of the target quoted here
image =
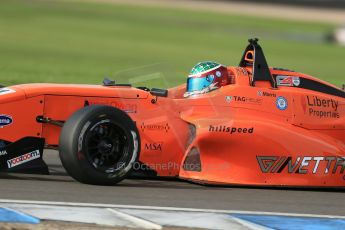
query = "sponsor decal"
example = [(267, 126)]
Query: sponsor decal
[(230, 130), (266, 94), (155, 127), (128, 108), (5, 120), (241, 71), (315, 101), (157, 146), (244, 71), (3, 152), (296, 81), (4, 91), (301, 164), (320, 107), (288, 80), (242, 99), (23, 159), (281, 103), (228, 99)]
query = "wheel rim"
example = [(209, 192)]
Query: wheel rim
[(107, 146)]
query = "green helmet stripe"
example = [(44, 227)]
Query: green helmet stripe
[(204, 67)]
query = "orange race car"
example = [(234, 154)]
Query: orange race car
[(245, 125)]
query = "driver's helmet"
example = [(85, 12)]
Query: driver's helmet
[(205, 77)]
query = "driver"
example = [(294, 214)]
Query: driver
[(205, 77)]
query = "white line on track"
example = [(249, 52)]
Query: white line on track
[(137, 221), (71, 204), (17, 212), (249, 225)]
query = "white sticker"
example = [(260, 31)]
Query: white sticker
[(4, 91), (228, 99), (281, 103), (23, 159), (296, 81)]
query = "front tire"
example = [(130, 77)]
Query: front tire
[(99, 145)]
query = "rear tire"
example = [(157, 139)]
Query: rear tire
[(99, 145)]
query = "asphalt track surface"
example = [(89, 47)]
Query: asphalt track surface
[(60, 187)]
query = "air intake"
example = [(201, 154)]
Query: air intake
[(192, 161)]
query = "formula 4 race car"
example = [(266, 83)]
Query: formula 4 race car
[(266, 127)]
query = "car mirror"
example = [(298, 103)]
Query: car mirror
[(159, 92)]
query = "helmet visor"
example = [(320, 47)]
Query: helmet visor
[(199, 83)]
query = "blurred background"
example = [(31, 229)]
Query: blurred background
[(157, 42)]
